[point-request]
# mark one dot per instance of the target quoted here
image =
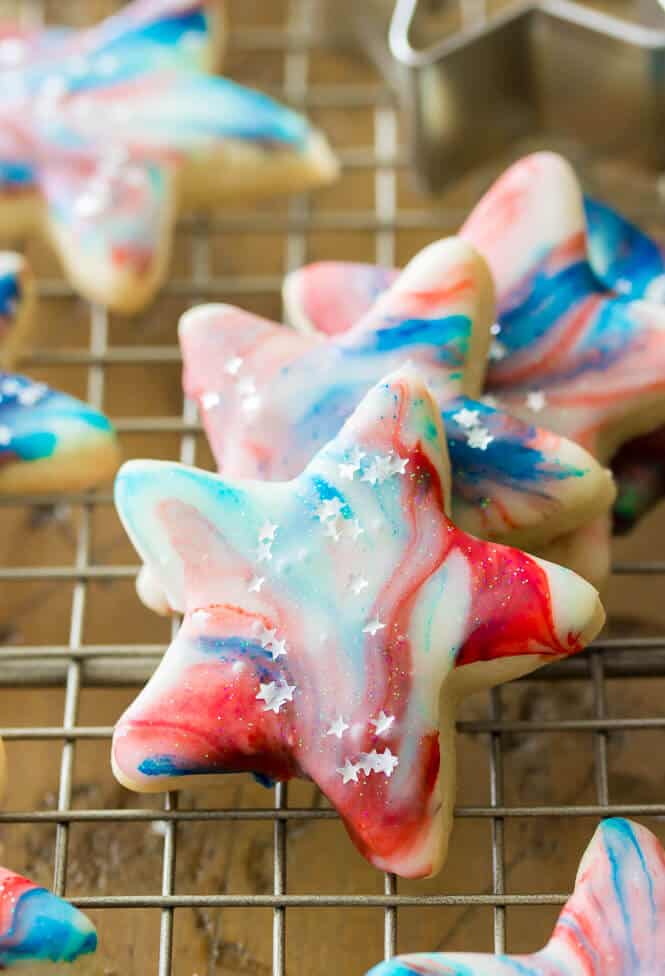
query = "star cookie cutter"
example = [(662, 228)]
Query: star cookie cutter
[(492, 79)]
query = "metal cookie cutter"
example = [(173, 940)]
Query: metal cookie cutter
[(590, 74)]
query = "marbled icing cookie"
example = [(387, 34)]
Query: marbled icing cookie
[(50, 441), (269, 398), (106, 134), (332, 623), (579, 342)]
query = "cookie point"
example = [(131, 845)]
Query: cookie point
[(43, 927), (448, 251), (408, 375), (577, 611), (128, 474), (322, 158), (200, 314), (151, 593), (612, 835)]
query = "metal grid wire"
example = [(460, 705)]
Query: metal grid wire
[(77, 664)]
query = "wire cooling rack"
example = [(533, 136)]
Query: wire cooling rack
[(540, 761)]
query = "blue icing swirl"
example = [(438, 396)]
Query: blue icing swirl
[(32, 428), (231, 648), (169, 765), (218, 107), (508, 460), (168, 32), (46, 928), (449, 333), (134, 51), (622, 256), (550, 298), (553, 298), (620, 842)]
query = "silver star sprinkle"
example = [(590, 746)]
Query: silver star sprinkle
[(338, 728), (277, 649), (264, 634), (378, 762), (333, 529), (479, 437), (373, 627), (386, 763), (349, 772), (264, 552), (397, 464), (467, 418), (347, 469), (382, 722), (251, 403), (233, 365), (267, 693), (536, 401), (358, 583), (379, 470), (210, 400), (256, 583), (330, 508), (267, 532), (275, 695), (30, 395), (497, 351)]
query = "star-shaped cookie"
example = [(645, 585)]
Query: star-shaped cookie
[(37, 927), (612, 925), (50, 441), (595, 359), (322, 619), (585, 360), (330, 297), (269, 397), (106, 134)]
